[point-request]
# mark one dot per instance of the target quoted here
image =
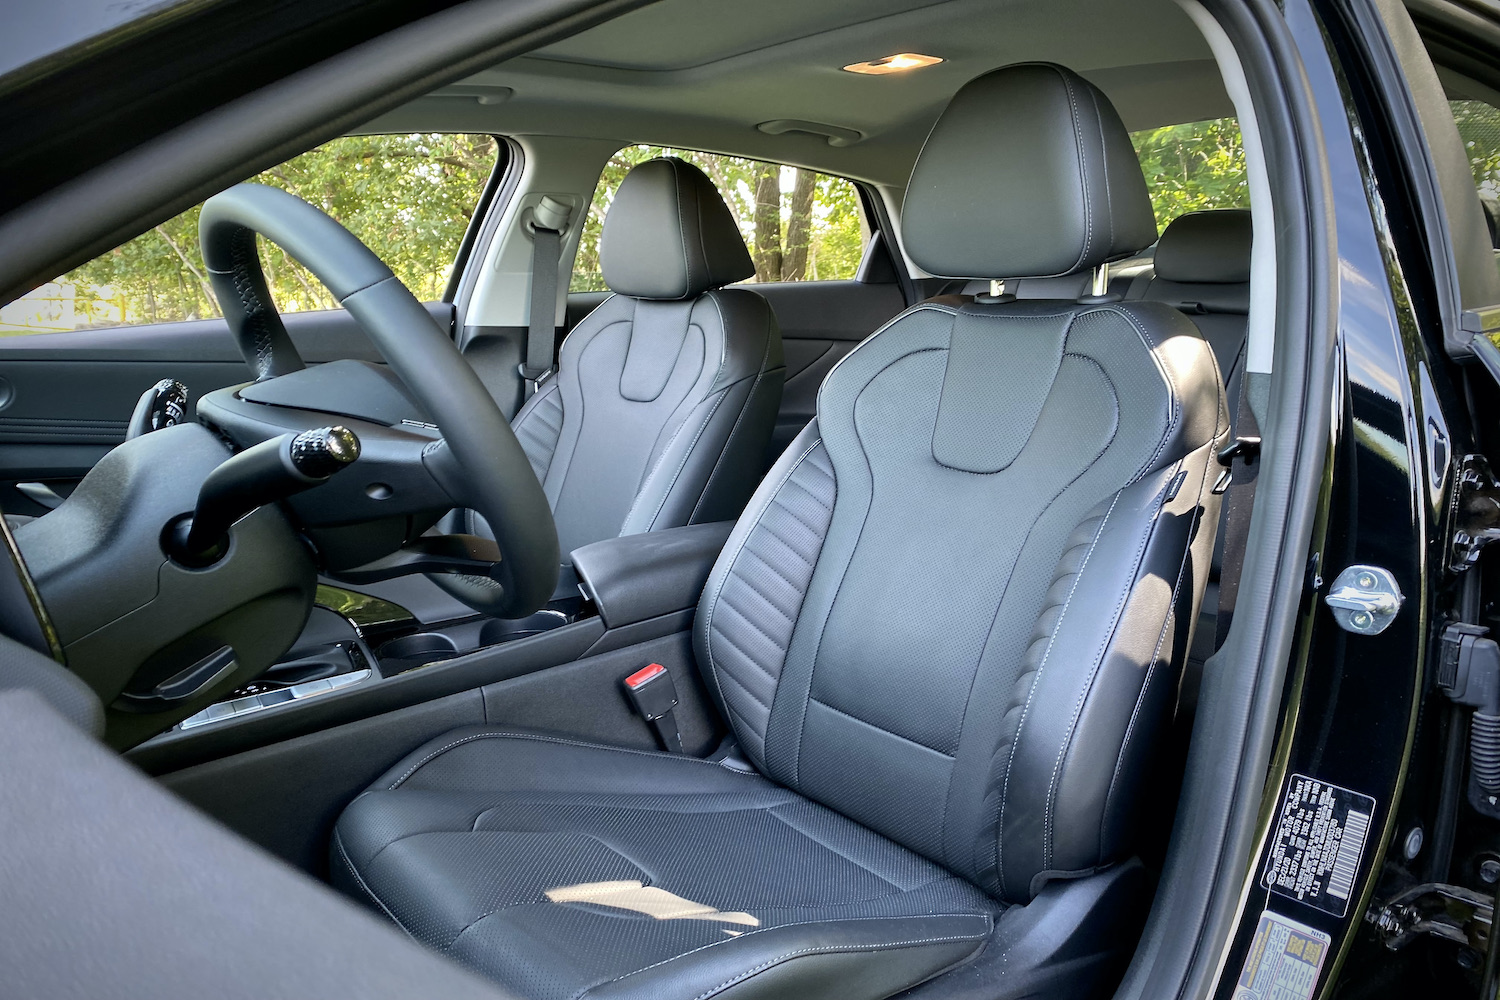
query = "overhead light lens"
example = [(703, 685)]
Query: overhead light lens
[(898, 63)]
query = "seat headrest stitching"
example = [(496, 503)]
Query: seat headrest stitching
[(1174, 395), (709, 277), (1109, 197), (687, 266), (1083, 172)]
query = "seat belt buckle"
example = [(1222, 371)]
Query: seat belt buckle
[(653, 695)]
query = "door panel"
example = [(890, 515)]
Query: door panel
[(65, 398)]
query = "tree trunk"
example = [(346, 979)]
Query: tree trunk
[(767, 222), (799, 228)]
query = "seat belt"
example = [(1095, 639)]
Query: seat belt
[(549, 220), (1242, 460)]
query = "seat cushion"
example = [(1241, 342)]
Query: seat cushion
[(564, 869)]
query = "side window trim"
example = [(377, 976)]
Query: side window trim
[(1460, 251), (480, 217), (509, 167)]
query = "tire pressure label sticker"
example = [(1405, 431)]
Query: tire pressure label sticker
[(1284, 961), (1318, 844)]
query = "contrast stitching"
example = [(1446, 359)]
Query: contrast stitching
[(539, 739), (1083, 175), (1173, 393), (1036, 682), (1145, 687), (713, 602), (864, 518), (687, 266), (723, 394), (920, 307), (761, 374), (802, 923), (829, 949), (1096, 663), (338, 843)]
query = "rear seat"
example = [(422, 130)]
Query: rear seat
[(1202, 267)]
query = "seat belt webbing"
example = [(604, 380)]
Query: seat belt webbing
[(541, 332)]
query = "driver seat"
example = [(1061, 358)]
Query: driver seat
[(665, 395), (946, 635)]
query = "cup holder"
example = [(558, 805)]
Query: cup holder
[(498, 630), (414, 650)]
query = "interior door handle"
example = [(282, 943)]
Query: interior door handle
[(41, 493)]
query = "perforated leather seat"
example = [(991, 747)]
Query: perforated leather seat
[(665, 396), (945, 634)]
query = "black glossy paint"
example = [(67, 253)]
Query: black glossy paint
[(1353, 703)]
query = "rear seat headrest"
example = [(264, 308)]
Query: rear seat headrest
[(1209, 248)]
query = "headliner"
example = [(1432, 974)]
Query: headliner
[(702, 74)]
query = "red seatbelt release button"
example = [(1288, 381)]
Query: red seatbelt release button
[(651, 691)]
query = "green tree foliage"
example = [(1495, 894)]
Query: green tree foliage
[(1479, 127), (1193, 167), (798, 224), (408, 197)]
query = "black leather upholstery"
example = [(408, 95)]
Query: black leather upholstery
[(669, 235), (666, 395), (517, 853), (1202, 266), (1053, 200), (948, 629), (1211, 248)]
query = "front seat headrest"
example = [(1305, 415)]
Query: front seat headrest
[(669, 235), (1028, 173), (1210, 248)]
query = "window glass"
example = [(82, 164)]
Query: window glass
[(1479, 127), (799, 225), (1193, 167), (408, 197)]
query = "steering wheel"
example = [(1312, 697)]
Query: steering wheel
[(477, 462)]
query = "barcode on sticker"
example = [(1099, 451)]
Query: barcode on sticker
[(1341, 879)]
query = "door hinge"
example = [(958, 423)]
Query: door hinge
[(1475, 512), (1450, 912)]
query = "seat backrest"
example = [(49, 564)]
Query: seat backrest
[(955, 609), (1202, 267), (666, 395)]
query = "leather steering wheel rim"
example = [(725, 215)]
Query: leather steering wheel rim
[(498, 478)]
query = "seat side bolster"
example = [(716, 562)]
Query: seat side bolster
[(712, 461), (799, 485), (860, 959), (1099, 677), (1193, 379)]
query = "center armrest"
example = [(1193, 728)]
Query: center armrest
[(636, 577)]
